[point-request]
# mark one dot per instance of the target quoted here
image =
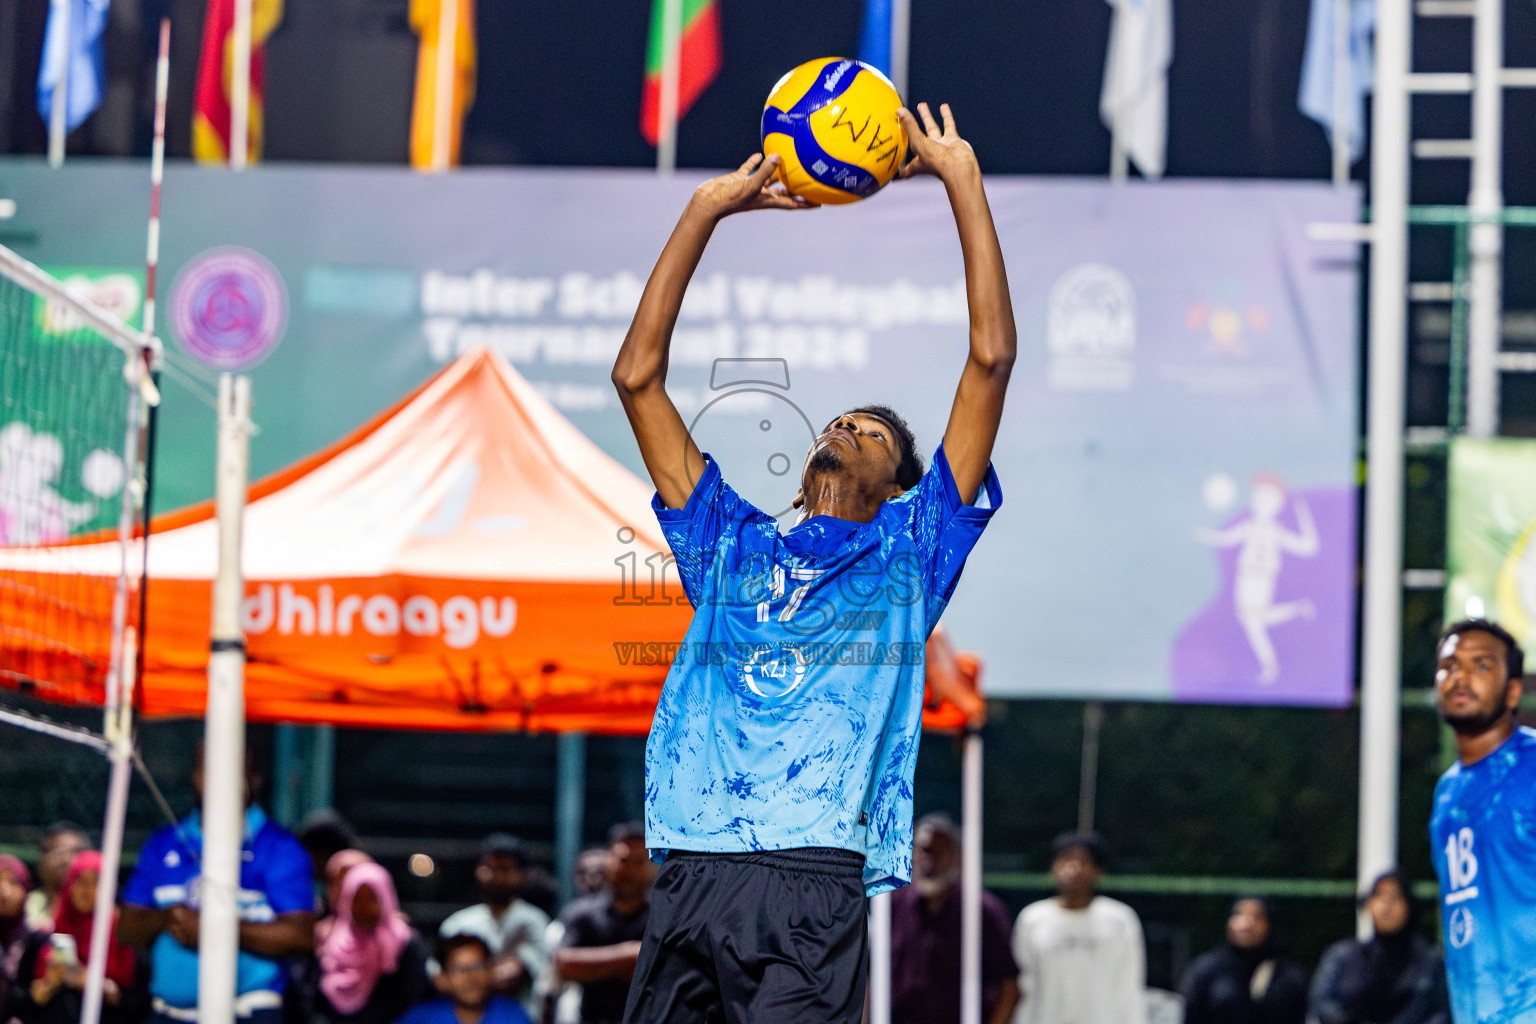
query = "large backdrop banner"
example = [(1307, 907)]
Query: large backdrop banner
[(1178, 453)]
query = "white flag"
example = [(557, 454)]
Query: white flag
[(1134, 102)]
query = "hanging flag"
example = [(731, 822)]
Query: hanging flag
[(1134, 102), (429, 19), (875, 38), (215, 72), (698, 61), (1315, 97), (81, 53)]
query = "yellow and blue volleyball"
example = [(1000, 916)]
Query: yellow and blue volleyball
[(833, 123)]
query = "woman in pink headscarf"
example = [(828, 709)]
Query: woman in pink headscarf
[(373, 966)]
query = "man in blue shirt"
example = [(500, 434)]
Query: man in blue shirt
[(779, 766), (1483, 829), (277, 900)]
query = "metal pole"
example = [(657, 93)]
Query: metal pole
[(224, 743), (570, 808), (240, 89), (320, 778), (1343, 81), (442, 97), (1382, 629), (671, 53), (117, 716), (1119, 160), (58, 110), (880, 959), (1088, 784), (1486, 201), (970, 879), (901, 45)]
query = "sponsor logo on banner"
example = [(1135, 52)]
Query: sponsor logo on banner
[(228, 308), (1091, 330), (460, 620)]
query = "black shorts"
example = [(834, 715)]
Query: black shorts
[(763, 938)]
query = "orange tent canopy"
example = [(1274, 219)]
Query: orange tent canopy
[(468, 560)]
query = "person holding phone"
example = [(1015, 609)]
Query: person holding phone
[(54, 964)]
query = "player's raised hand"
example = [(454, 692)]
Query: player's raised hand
[(941, 153), (750, 187)]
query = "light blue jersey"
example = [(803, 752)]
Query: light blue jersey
[(1483, 833), (790, 717)]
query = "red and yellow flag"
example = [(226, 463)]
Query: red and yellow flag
[(435, 143), (215, 73), (698, 61)]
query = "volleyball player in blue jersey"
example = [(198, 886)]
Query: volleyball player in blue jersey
[(1483, 830), (779, 767)]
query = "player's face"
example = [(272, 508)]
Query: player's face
[(82, 895), (56, 857), (466, 977), (13, 895), (1388, 908), (631, 869), (500, 877), (933, 855), (1075, 872), (859, 446), (1472, 684), (366, 912), (1248, 925)]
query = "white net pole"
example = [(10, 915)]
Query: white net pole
[(224, 737)]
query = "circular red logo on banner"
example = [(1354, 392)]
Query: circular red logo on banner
[(228, 308)]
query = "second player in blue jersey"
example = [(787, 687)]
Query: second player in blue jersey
[(1483, 829)]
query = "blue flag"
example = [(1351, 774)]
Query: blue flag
[(1316, 94), (81, 53), (875, 39)]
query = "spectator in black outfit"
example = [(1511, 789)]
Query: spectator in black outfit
[(15, 880), (926, 940), (323, 834), (603, 932), (1245, 981), (1397, 977), (371, 965)]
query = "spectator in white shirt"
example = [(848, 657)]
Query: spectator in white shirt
[(1080, 955), (513, 929)]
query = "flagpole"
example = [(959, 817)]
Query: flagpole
[(1343, 82), (442, 96), (901, 41), (58, 112), (240, 88), (671, 61)]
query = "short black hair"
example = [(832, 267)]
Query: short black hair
[(1514, 656), (63, 828), (626, 832), (910, 470), (1090, 843), (500, 844), (325, 830), (450, 944)]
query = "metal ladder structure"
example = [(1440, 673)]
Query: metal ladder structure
[(1476, 357)]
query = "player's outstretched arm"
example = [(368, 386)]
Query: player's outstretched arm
[(978, 408), (640, 372)]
